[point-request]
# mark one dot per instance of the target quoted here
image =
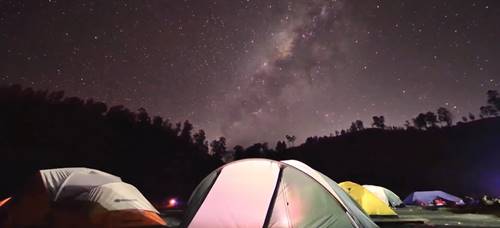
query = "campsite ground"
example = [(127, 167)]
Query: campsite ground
[(412, 216)]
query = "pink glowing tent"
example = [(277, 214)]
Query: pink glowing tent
[(266, 193)]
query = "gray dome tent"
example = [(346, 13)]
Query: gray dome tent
[(267, 193), (387, 196)]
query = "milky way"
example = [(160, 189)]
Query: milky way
[(254, 71)]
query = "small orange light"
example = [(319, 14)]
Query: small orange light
[(172, 203)]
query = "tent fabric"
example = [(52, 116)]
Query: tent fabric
[(80, 197), (362, 217), (359, 215), (312, 200), (199, 195), (370, 203), (393, 198), (266, 193), (427, 197), (387, 196), (118, 196), (231, 195), (53, 179), (378, 192), (78, 183)]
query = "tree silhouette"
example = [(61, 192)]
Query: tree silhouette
[(356, 126), (493, 99), (359, 125), (238, 152), (290, 139), (353, 127), (143, 117), (96, 108), (280, 146), (445, 116), (200, 142), (120, 115), (431, 119), (177, 129), (407, 124), (488, 111), (420, 121), (472, 117), (378, 122), (158, 122), (55, 97), (493, 106), (186, 131), (257, 150), (219, 147)]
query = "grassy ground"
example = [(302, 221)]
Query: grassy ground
[(443, 217)]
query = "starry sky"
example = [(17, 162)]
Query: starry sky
[(256, 70)]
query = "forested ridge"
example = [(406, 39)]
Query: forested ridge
[(41, 129)]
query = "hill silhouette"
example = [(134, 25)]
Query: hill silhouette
[(40, 130), (463, 159)]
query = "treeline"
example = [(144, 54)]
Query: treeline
[(429, 120), (442, 118), (463, 159), (429, 152), (40, 130)]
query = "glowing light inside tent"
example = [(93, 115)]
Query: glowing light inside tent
[(172, 203), (3, 202)]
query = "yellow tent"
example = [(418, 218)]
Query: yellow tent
[(370, 203)]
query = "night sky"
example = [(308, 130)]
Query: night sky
[(256, 70)]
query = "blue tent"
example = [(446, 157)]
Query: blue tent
[(427, 197)]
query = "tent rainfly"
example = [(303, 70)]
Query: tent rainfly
[(387, 196), (81, 197), (267, 193), (427, 197), (370, 203)]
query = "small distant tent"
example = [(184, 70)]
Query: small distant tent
[(81, 197), (387, 196), (267, 193), (5, 201), (427, 198), (4, 204), (370, 203)]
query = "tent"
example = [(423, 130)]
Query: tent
[(427, 198), (80, 197), (5, 201), (267, 193), (387, 196), (4, 204), (370, 203)]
